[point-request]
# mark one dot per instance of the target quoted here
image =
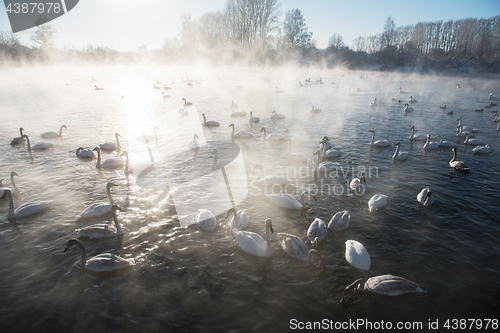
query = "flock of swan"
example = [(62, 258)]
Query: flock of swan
[(355, 253)]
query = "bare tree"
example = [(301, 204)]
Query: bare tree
[(44, 35), (295, 30), (335, 41), (389, 34)]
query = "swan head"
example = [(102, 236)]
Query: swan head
[(362, 177), (263, 129), (72, 242), (372, 131), (427, 197), (397, 144), (356, 285), (231, 211), (109, 185), (273, 113), (316, 152), (232, 124), (114, 208), (269, 225), (125, 153), (412, 127), (317, 256)]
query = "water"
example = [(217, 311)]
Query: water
[(189, 280)]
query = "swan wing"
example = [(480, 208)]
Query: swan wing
[(49, 135), (206, 220), (108, 146), (285, 200), (293, 246), (96, 209), (100, 230), (106, 262), (377, 201), (391, 285), (112, 162), (317, 230), (251, 242), (42, 145), (30, 208), (339, 221), (356, 255)]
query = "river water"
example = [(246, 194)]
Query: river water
[(186, 279)]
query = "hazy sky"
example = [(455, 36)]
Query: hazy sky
[(127, 24)]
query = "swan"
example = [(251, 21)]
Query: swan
[(324, 166), (390, 285), (253, 243), (99, 208), (189, 83), (411, 100), (478, 110), (93, 80), (275, 116), (193, 144), (373, 103), (379, 143), (183, 112), (206, 220), (425, 197), (186, 103), (319, 81), (253, 119), (315, 111), (377, 201), (166, 88), (296, 248), (295, 157), (419, 137), (158, 82), (445, 143), (449, 112), (339, 221), (52, 135), (492, 98), (210, 123), (472, 141), (128, 170), (85, 152), (463, 127), (233, 106), (39, 145), (110, 162), (103, 230), (270, 180), (20, 139), (356, 255), (458, 165), (401, 91), (407, 108), (486, 149), (272, 137), (240, 219), (104, 262), (357, 184), (156, 87), (458, 86), (287, 201), (461, 132), (238, 114), (430, 145), (111, 145), (98, 88), (23, 210), (240, 134), (399, 155), (165, 95), (279, 91), (149, 138), (317, 231), (331, 153)]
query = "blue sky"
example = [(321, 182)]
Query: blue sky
[(127, 24)]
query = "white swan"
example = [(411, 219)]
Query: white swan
[(103, 230), (183, 112), (98, 88), (462, 132), (165, 95), (20, 139), (193, 144), (317, 231), (238, 114), (399, 155), (272, 137), (104, 262), (110, 162), (253, 119), (279, 91), (464, 127), (99, 208), (315, 111), (186, 103), (472, 141), (357, 255), (85, 152), (492, 98), (275, 116), (15, 189), (270, 180), (287, 201), (425, 197), (52, 135), (357, 184), (486, 149), (166, 88), (233, 105), (128, 169), (401, 91), (458, 165), (445, 143), (377, 201), (390, 285), (240, 134), (324, 167), (253, 243), (145, 138), (156, 87), (373, 103), (331, 153), (378, 143), (339, 221), (240, 219), (411, 100), (296, 248), (324, 139), (419, 137), (39, 145), (294, 157), (111, 145), (210, 123), (430, 145), (407, 108), (23, 210), (206, 220)]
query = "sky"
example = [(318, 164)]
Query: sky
[(127, 24)]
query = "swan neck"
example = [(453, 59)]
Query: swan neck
[(268, 241), (214, 166), (289, 146), (118, 143), (204, 119), (232, 134), (117, 224), (28, 143), (13, 184), (108, 192), (454, 156), (303, 200), (99, 157), (11, 203), (83, 258), (373, 138), (396, 152), (60, 131)]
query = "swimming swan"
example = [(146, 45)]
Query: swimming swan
[(39, 145), (272, 137), (253, 243), (186, 103), (128, 170), (98, 88), (419, 137), (20, 139), (399, 155), (110, 162), (206, 220), (270, 180), (411, 100), (193, 144), (52, 135), (210, 123), (458, 165), (472, 141), (275, 116), (407, 108), (315, 111), (111, 145), (99, 208), (379, 143), (445, 143), (430, 145), (356, 255), (103, 230), (240, 219), (297, 249), (253, 119), (373, 103), (84, 153), (23, 210), (317, 231), (425, 197), (240, 134), (357, 184), (339, 221), (287, 201), (377, 201), (104, 262), (324, 167), (331, 153), (145, 138), (486, 149)]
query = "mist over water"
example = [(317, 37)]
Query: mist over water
[(189, 280)]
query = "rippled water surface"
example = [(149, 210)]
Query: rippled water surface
[(186, 279)]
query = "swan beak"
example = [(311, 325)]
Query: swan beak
[(67, 247), (271, 228), (4, 195), (314, 198)]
